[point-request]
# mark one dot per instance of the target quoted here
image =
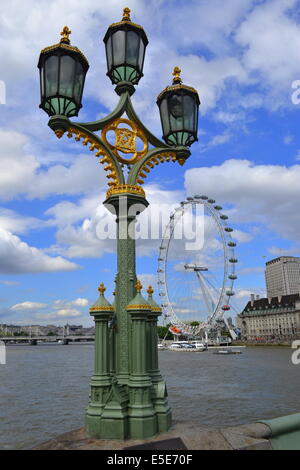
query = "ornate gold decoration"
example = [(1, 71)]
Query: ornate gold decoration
[(150, 290), (176, 87), (138, 286), (155, 160), (125, 140), (125, 188), (65, 35), (102, 288), (126, 18), (156, 309), (176, 74), (65, 46), (94, 145), (126, 14), (177, 84), (102, 309), (59, 133), (139, 307)]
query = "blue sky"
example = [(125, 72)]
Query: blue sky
[(241, 55)]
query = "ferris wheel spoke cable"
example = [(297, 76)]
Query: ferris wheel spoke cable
[(206, 295)]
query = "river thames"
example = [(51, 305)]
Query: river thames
[(44, 389)]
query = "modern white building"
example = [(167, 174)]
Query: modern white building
[(283, 276)]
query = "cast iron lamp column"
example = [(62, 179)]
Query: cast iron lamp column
[(142, 416), (160, 392), (128, 395), (100, 384)]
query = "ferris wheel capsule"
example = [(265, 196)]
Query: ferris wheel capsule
[(226, 308)]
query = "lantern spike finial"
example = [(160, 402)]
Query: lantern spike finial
[(138, 286), (176, 75), (101, 288), (65, 35), (126, 14), (150, 291)]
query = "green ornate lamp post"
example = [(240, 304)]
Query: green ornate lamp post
[(128, 394)]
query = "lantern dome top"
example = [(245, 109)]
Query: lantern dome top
[(64, 45), (138, 303), (177, 85), (126, 21), (151, 301), (101, 305)]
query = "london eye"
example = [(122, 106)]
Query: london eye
[(196, 267)]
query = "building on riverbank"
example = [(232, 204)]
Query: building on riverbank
[(271, 319)]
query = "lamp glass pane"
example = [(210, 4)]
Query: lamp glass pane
[(176, 110), (164, 116), (109, 53), (51, 76), (78, 85), (67, 75), (189, 113), (141, 55), (42, 83), (118, 40), (132, 48)]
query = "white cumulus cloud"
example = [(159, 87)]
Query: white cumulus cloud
[(17, 257), (28, 306)]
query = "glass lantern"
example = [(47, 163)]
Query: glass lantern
[(179, 105), (62, 74), (125, 44)]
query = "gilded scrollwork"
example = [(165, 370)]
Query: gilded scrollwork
[(125, 140), (93, 143), (151, 162)]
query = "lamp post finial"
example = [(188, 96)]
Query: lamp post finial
[(150, 291), (65, 35), (138, 286), (126, 14), (176, 74), (101, 288)]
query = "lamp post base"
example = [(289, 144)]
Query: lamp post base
[(129, 413)]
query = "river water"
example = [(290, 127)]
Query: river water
[(44, 389)]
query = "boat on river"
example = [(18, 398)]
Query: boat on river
[(225, 352)]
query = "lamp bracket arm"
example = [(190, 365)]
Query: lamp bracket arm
[(151, 138), (115, 114), (153, 157), (97, 144)]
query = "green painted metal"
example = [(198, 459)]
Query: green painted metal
[(60, 122), (128, 394), (285, 432), (115, 114), (156, 151), (128, 397)]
